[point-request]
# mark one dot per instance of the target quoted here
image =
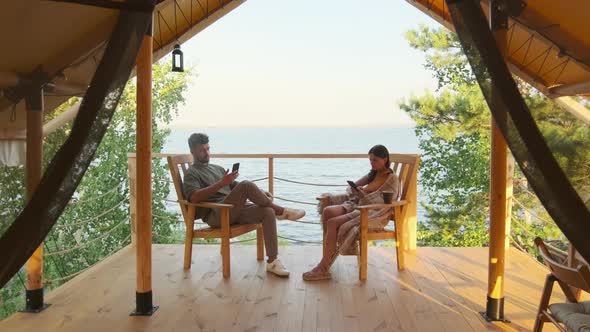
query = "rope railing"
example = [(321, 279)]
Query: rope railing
[(87, 243), (168, 237), (306, 222), (549, 245), (202, 223), (241, 241), (294, 201), (176, 219), (297, 240), (166, 217), (259, 179), (531, 212), (84, 200), (85, 221), (17, 298), (520, 248), (166, 180), (310, 184), (182, 240), (119, 247), (4, 303)]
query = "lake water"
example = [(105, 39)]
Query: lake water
[(317, 171)]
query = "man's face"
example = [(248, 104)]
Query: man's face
[(201, 153)]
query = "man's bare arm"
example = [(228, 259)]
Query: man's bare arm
[(202, 194)]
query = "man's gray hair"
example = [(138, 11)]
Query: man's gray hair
[(196, 139)]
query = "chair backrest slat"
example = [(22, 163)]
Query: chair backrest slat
[(176, 164), (403, 165), (577, 277), (395, 166)]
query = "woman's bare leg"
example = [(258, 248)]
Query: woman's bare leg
[(333, 224), (330, 212)]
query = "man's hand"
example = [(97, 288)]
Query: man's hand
[(228, 178)]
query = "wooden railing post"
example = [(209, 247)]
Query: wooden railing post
[(131, 171), (271, 186), (411, 224)]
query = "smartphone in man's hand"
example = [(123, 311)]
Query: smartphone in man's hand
[(235, 168)]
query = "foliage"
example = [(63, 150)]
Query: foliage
[(96, 222), (453, 128)]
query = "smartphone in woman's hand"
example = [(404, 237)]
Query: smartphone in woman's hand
[(352, 184)]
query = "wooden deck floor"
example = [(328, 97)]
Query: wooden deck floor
[(443, 289)]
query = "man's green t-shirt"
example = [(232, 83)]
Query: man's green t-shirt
[(202, 175)]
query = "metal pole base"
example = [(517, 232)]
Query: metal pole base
[(34, 301), (494, 311), (144, 305)]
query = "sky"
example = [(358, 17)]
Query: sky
[(305, 63)]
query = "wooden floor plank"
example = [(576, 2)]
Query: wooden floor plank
[(435, 286), (442, 289)]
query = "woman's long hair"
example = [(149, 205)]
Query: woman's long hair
[(381, 152)]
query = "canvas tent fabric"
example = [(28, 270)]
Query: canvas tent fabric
[(548, 42), (39, 34), (12, 153)]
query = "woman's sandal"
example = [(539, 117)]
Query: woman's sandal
[(317, 273)]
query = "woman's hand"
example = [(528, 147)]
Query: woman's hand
[(358, 192)]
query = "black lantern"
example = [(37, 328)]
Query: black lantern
[(177, 59)]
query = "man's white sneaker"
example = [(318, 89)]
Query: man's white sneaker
[(291, 214), (277, 268)]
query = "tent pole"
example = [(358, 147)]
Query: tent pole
[(143, 247), (500, 186), (34, 170)]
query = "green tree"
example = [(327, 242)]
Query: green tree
[(96, 222), (453, 128)]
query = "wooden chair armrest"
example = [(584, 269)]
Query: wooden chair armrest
[(207, 205), (382, 206)]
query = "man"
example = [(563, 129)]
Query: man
[(204, 182)]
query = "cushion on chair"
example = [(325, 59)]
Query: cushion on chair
[(575, 316)]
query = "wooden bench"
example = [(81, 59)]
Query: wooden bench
[(180, 163)]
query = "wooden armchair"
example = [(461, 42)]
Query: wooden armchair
[(406, 167), (571, 316), (180, 163)]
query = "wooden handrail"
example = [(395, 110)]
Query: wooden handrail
[(398, 156)]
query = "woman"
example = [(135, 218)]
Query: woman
[(340, 220)]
